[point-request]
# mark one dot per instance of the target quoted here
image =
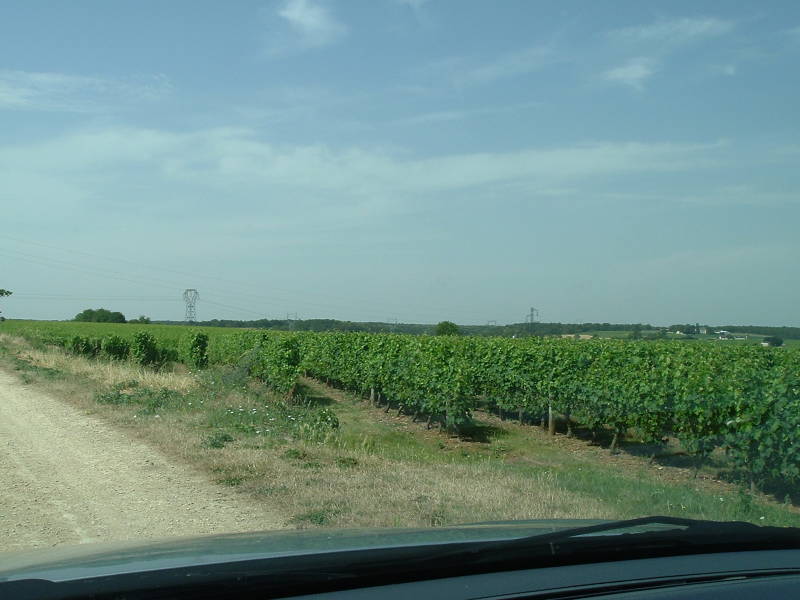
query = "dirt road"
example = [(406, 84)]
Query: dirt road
[(68, 478)]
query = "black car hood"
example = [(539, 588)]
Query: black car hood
[(97, 560)]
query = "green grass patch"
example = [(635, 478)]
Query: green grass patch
[(29, 373), (346, 462), (522, 452), (231, 481), (218, 439), (322, 516), (294, 454)]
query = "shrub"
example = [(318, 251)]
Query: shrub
[(276, 362), (115, 347), (194, 350), (144, 350), (84, 346)]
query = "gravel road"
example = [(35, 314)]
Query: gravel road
[(69, 478)]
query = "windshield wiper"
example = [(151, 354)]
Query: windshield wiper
[(634, 538)]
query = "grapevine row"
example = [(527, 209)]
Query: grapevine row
[(741, 398)]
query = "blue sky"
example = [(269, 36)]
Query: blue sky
[(412, 160)]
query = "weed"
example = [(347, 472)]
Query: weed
[(346, 461), (320, 516), (232, 481), (114, 397), (277, 419), (272, 490), (218, 439), (31, 371), (431, 511), (294, 453)]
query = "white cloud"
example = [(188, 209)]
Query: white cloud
[(509, 65), (312, 23), (24, 90), (119, 167), (633, 73), (676, 31), (464, 72), (460, 115)]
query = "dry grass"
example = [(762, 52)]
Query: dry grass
[(104, 373), (360, 489), (325, 484)]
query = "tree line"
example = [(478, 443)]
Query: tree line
[(103, 315)]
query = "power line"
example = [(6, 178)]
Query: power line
[(33, 296), (275, 301)]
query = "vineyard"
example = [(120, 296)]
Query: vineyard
[(744, 400)]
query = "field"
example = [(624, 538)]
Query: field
[(57, 331), (722, 411)]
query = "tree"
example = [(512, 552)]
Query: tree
[(447, 328), (773, 340), (141, 319), (99, 315), (4, 293)]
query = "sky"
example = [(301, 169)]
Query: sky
[(409, 160)]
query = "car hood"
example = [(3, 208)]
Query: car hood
[(105, 559)]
